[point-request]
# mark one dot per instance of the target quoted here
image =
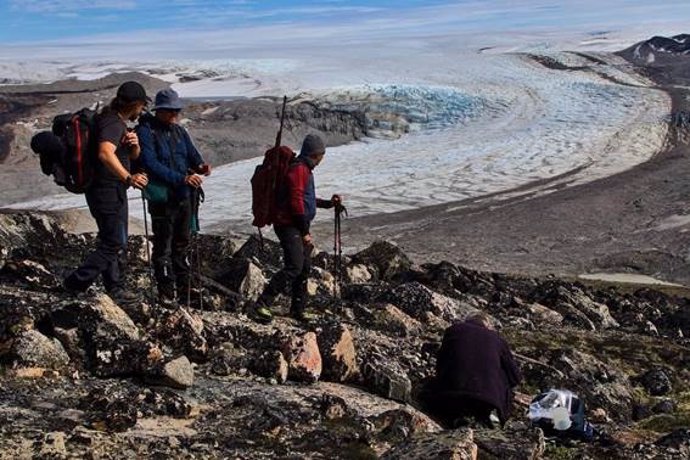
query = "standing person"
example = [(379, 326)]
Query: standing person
[(107, 194), (296, 208), (174, 166), (475, 374)]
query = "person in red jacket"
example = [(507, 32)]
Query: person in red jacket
[(475, 375), (296, 205)]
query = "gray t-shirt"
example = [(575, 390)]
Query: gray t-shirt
[(111, 128)]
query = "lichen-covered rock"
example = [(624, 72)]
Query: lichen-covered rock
[(447, 445), (106, 316), (322, 283), (304, 359), (31, 348), (656, 382), (515, 441), (387, 260), (387, 380), (418, 301), (271, 364), (183, 331), (387, 317), (357, 274), (338, 353), (177, 373)]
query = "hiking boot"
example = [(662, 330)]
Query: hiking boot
[(261, 314), (69, 286), (123, 297), (303, 315)]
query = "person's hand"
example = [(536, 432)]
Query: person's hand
[(139, 181), (337, 201), (204, 169), (131, 139), (193, 180), (308, 242)]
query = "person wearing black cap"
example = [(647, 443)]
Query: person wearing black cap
[(292, 222), (107, 194), (175, 168)]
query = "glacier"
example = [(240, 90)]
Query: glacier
[(451, 127)]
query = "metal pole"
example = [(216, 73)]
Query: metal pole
[(146, 242)]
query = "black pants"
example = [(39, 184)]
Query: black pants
[(170, 223), (293, 277), (450, 408), (108, 205)]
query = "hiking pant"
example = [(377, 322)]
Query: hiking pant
[(453, 410), (170, 223), (293, 277), (108, 205)]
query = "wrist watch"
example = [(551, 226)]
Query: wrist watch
[(128, 180)]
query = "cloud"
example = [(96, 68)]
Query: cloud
[(69, 6)]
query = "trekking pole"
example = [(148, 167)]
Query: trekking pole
[(338, 249), (146, 242), (336, 229), (197, 199)]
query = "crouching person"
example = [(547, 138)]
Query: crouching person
[(475, 375), (296, 205), (175, 168)]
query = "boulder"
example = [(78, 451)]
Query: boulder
[(53, 446), (389, 318), (303, 357), (337, 350), (396, 425), (322, 282), (656, 382), (266, 253), (418, 301), (451, 445), (387, 380), (679, 440), (253, 283), (33, 349), (177, 373), (357, 274), (386, 259), (271, 364), (243, 276), (515, 441), (544, 314), (105, 315), (183, 332), (576, 306)]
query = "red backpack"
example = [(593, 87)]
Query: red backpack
[(267, 180), (68, 152)]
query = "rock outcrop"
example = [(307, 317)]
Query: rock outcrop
[(212, 383)]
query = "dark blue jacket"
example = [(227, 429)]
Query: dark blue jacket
[(167, 153)]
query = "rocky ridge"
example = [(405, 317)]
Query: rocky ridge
[(83, 377)]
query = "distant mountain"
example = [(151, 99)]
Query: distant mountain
[(664, 58), (649, 51)]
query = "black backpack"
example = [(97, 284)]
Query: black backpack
[(68, 152)]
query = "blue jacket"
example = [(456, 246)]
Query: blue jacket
[(167, 153)]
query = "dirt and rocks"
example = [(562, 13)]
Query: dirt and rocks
[(81, 377)]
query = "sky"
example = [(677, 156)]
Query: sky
[(79, 21)]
